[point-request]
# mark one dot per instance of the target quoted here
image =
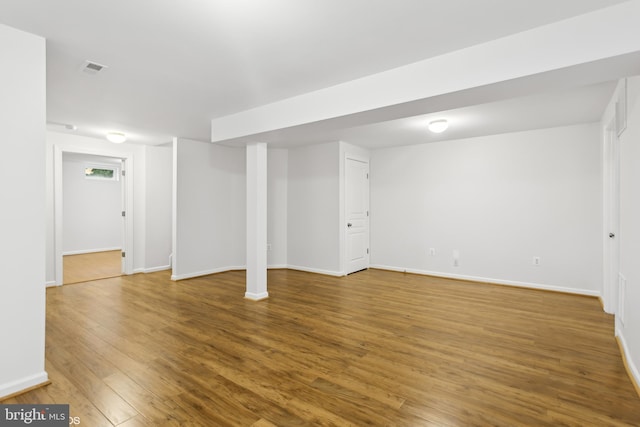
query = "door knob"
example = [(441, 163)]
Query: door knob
[(349, 225), (612, 235)]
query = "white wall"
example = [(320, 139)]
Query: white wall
[(499, 201), (629, 332), (277, 167), (22, 219), (158, 181), (92, 219), (209, 209), (313, 214)]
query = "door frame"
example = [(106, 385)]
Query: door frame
[(345, 253), (127, 189), (611, 218)]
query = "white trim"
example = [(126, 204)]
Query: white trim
[(90, 251), (205, 272), (277, 266), (127, 164), (57, 213), (23, 384), (316, 270), (154, 269), (173, 259), (50, 284), (256, 297), (528, 285), (622, 294), (633, 369), (212, 271)]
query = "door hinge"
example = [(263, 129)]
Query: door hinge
[(124, 172), (123, 254), (367, 213), (123, 213), (367, 251), (367, 176)]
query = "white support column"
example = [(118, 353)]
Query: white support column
[(256, 222)]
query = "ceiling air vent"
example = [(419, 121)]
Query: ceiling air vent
[(93, 67)]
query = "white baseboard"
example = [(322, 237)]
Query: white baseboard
[(90, 251), (256, 297), (242, 267), (17, 386), (51, 284), (529, 285), (152, 269), (205, 272), (159, 268), (315, 270), (630, 364)]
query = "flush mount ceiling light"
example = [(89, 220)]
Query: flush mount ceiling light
[(438, 126), (116, 137)]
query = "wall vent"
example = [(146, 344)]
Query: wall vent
[(92, 67)]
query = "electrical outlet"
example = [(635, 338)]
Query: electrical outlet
[(536, 261), (456, 258), (432, 251)]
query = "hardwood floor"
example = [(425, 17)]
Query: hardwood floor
[(91, 266), (374, 348)]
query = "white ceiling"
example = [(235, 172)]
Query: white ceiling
[(173, 66)]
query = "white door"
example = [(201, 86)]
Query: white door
[(357, 214), (612, 222)]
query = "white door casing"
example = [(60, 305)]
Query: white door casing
[(127, 195), (357, 214), (123, 204)]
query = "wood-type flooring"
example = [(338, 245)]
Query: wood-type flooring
[(374, 348), (91, 266)]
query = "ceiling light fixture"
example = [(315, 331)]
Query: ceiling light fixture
[(438, 126), (116, 137)]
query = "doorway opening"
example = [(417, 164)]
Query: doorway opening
[(92, 193), (92, 221)]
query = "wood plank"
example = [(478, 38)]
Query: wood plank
[(372, 348), (92, 266)]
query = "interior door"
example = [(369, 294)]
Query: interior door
[(612, 222), (357, 214)]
